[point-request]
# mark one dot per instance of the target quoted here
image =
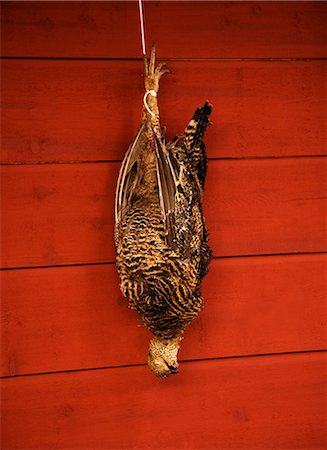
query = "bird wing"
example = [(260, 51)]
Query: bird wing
[(167, 184), (127, 178)]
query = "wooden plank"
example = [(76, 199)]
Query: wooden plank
[(265, 402), (181, 29), (90, 110), (75, 317), (63, 213)]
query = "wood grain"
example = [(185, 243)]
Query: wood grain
[(267, 402), (262, 68), (75, 317), (63, 213), (181, 29), (90, 110)]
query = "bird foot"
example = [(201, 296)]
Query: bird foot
[(152, 74)]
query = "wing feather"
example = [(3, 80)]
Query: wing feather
[(166, 174), (127, 170), (167, 182)]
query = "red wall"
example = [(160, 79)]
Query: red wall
[(73, 357)]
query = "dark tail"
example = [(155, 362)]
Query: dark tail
[(193, 140), (196, 128)]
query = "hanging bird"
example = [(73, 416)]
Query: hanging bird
[(160, 234)]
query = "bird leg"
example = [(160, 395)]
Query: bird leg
[(152, 74)]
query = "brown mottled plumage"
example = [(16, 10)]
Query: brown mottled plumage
[(160, 235)]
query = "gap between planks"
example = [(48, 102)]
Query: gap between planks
[(106, 161), (246, 59), (187, 361), (101, 263)]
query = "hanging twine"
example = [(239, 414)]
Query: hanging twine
[(142, 27), (148, 92), (151, 92)]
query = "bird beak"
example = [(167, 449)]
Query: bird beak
[(173, 369)]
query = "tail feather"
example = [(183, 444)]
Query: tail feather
[(196, 128), (193, 140)]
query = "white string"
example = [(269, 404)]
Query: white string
[(151, 92), (148, 92), (142, 27)]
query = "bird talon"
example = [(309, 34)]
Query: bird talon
[(146, 67), (162, 72), (153, 74), (152, 62), (159, 67)]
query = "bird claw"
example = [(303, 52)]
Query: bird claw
[(152, 62), (159, 67), (162, 72), (152, 73), (149, 67)]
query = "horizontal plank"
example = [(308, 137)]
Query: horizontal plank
[(74, 317), (58, 214), (90, 110), (265, 402), (181, 29)]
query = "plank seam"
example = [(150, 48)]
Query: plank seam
[(88, 369), (106, 161), (101, 263), (246, 59)]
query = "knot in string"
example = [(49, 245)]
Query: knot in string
[(154, 94)]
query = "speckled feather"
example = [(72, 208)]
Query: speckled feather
[(160, 234)]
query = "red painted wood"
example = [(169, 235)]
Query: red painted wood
[(181, 29), (252, 403), (63, 213), (90, 110), (75, 317)]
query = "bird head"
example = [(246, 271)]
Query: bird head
[(162, 358)]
